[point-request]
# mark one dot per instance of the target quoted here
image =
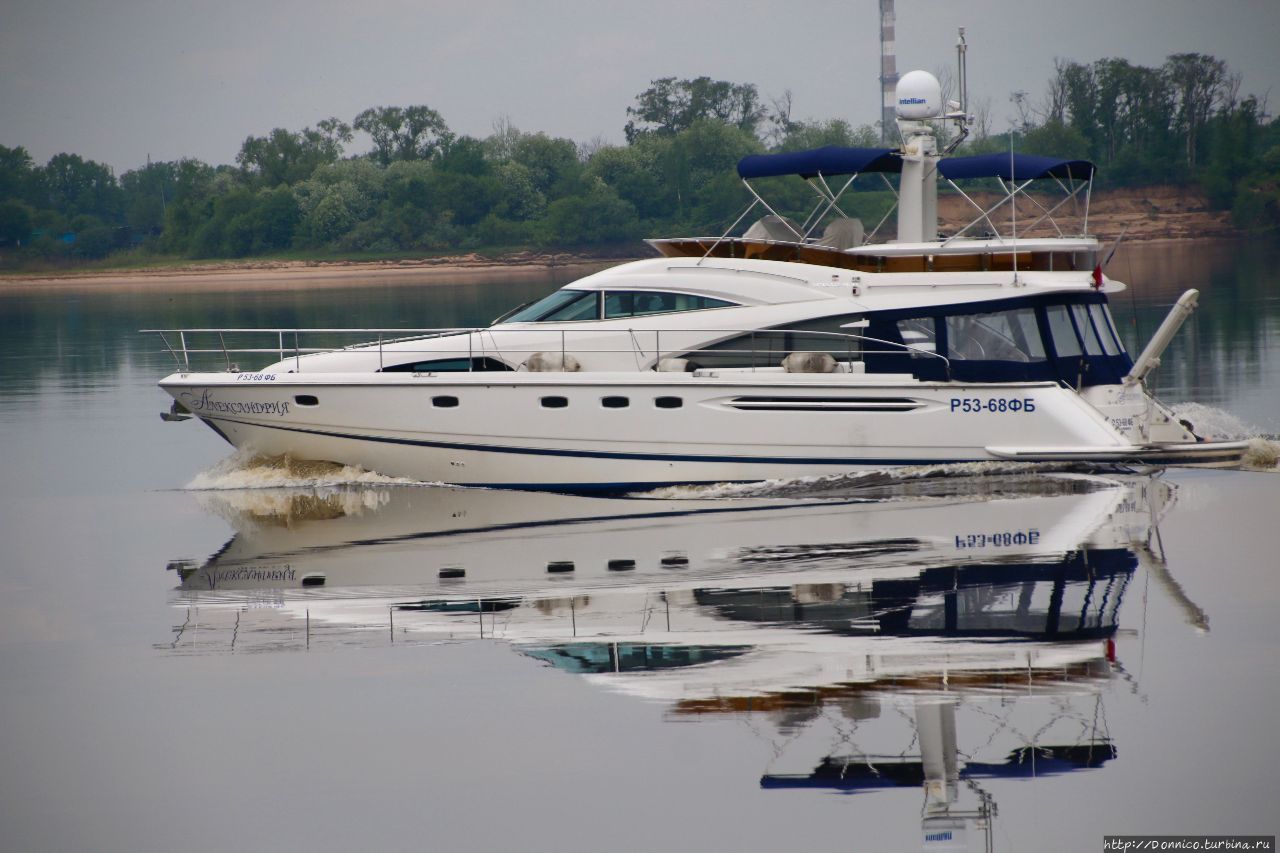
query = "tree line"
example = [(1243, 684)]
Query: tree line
[(421, 188)]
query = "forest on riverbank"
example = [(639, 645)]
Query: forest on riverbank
[(419, 188)]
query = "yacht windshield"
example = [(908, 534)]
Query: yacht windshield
[(563, 305), (566, 305), (625, 303)]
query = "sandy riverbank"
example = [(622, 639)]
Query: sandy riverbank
[(462, 269)]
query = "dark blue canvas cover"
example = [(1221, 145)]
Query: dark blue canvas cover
[(830, 160), (1019, 167)]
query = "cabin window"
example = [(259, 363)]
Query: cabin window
[(1102, 323), (1092, 345), (1000, 336), (561, 306), (638, 303), (445, 402), (555, 402), (449, 365), (841, 336), (1065, 342), (668, 402), (615, 402), (307, 400), (920, 334)]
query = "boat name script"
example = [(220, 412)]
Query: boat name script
[(205, 402)]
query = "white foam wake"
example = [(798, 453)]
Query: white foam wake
[(245, 471), (1264, 451), (827, 485)]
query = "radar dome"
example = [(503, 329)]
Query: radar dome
[(919, 96)]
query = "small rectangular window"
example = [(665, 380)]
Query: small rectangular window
[(1065, 341), (920, 336), (1102, 324), (444, 402), (554, 402), (1092, 345), (307, 400), (615, 402), (668, 402)]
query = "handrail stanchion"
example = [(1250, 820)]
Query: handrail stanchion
[(280, 341), (225, 354), (186, 357), (297, 354)]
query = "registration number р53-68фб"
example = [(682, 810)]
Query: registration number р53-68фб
[(996, 405)]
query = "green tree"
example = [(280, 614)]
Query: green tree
[(189, 205), (803, 135), (285, 157), (597, 216), (635, 173), (404, 133), (1199, 82), (553, 163), (15, 223), (75, 186), (670, 106), (147, 192), (19, 179)]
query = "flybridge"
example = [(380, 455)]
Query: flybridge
[(829, 236), (991, 240)]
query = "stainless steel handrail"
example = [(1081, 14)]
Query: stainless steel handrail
[(374, 339)]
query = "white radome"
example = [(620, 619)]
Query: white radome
[(919, 96)]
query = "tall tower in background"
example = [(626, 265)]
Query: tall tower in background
[(888, 71)]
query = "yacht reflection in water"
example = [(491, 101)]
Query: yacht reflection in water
[(920, 634)]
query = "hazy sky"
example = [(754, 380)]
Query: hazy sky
[(116, 81)]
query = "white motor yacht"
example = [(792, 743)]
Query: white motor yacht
[(793, 349)]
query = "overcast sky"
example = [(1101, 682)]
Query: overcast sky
[(116, 81)]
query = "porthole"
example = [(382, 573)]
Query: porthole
[(615, 402), (306, 400), (668, 402), (445, 402), (554, 402)]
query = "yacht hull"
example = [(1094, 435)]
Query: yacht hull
[(576, 431)]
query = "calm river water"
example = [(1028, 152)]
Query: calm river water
[(199, 654)]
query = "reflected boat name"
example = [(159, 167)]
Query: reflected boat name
[(279, 572), (205, 402), (1007, 539)]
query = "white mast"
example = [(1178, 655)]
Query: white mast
[(919, 98)]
